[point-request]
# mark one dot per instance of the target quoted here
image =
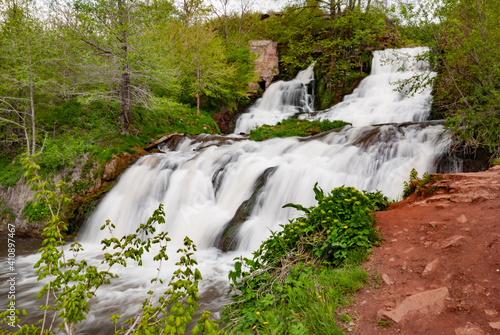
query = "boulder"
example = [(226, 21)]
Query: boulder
[(429, 302)]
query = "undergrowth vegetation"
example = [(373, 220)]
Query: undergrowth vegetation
[(298, 277), (294, 127), (419, 185), (89, 129)]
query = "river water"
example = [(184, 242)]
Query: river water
[(203, 180)]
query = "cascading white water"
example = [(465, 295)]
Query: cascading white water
[(202, 189), (280, 101), (203, 181), (377, 98)]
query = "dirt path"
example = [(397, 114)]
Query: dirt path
[(439, 264)]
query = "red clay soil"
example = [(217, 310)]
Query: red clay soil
[(439, 264)]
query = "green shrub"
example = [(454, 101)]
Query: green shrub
[(418, 185), (294, 127), (332, 231), (78, 187), (10, 172), (36, 211), (6, 213), (298, 277)]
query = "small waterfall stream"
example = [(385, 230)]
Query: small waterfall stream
[(203, 181)]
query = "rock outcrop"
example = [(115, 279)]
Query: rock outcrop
[(266, 63)]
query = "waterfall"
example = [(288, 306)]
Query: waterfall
[(280, 101), (205, 180), (202, 183), (379, 99)]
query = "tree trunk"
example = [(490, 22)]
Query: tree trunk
[(124, 85), (32, 104), (126, 107), (198, 78)]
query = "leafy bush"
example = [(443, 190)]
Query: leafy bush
[(10, 172), (79, 186), (418, 185), (294, 127), (36, 211), (299, 275), (340, 225)]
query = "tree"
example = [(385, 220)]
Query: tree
[(112, 29), (23, 59), (203, 64), (338, 35), (464, 36)]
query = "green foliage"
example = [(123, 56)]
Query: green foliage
[(35, 211), (384, 324), (419, 185), (6, 213), (340, 225), (464, 36), (298, 277), (169, 116), (70, 284), (300, 298), (340, 43), (378, 200), (10, 172), (294, 127), (79, 187)]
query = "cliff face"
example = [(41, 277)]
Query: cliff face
[(266, 63), (439, 264)]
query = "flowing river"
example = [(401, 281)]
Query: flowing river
[(205, 182)]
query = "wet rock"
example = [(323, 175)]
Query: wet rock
[(162, 140), (118, 165), (429, 302), (227, 241)]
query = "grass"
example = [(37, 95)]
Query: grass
[(10, 171), (307, 303), (76, 128), (294, 127)]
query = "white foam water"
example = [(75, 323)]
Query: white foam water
[(381, 97), (281, 100)]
